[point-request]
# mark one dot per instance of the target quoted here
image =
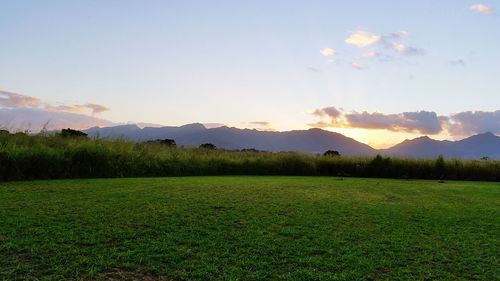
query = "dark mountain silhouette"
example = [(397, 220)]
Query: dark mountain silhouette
[(312, 140), (473, 147)]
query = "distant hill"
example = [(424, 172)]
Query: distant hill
[(312, 140), (474, 147)]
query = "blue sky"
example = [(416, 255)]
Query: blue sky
[(237, 62)]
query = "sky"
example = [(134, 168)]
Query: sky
[(377, 71)]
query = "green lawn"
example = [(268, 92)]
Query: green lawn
[(249, 228)]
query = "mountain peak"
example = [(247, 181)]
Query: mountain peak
[(194, 126), (483, 136), (487, 134), (126, 126), (421, 139)]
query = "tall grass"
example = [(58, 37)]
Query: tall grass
[(24, 157)]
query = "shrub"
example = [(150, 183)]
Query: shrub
[(208, 146), (166, 142), (70, 133), (24, 157), (333, 153)]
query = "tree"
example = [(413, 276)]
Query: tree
[(70, 133), (166, 142), (333, 153), (440, 166), (253, 150), (208, 146)]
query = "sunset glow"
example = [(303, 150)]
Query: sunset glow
[(390, 71)]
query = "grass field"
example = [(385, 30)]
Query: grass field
[(249, 228), (36, 157)]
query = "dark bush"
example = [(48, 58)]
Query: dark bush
[(70, 133), (333, 153), (252, 150), (208, 146), (166, 142)]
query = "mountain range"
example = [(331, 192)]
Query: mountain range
[(311, 141)]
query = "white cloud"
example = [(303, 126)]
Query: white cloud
[(328, 52), (357, 66), (399, 47), (362, 39), (403, 33), (373, 47), (458, 62), (313, 69), (370, 54), (381, 44), (213, 125), (403, 49), (483, 9)]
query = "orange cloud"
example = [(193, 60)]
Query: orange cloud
[(96, 108), (12, 100), (482, 9), (259, 125), (67, 108)]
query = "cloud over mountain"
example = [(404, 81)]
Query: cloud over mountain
[(13, 100), (35, 119), (424, 122), (472, 122), (78, 108), (21, 112)]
